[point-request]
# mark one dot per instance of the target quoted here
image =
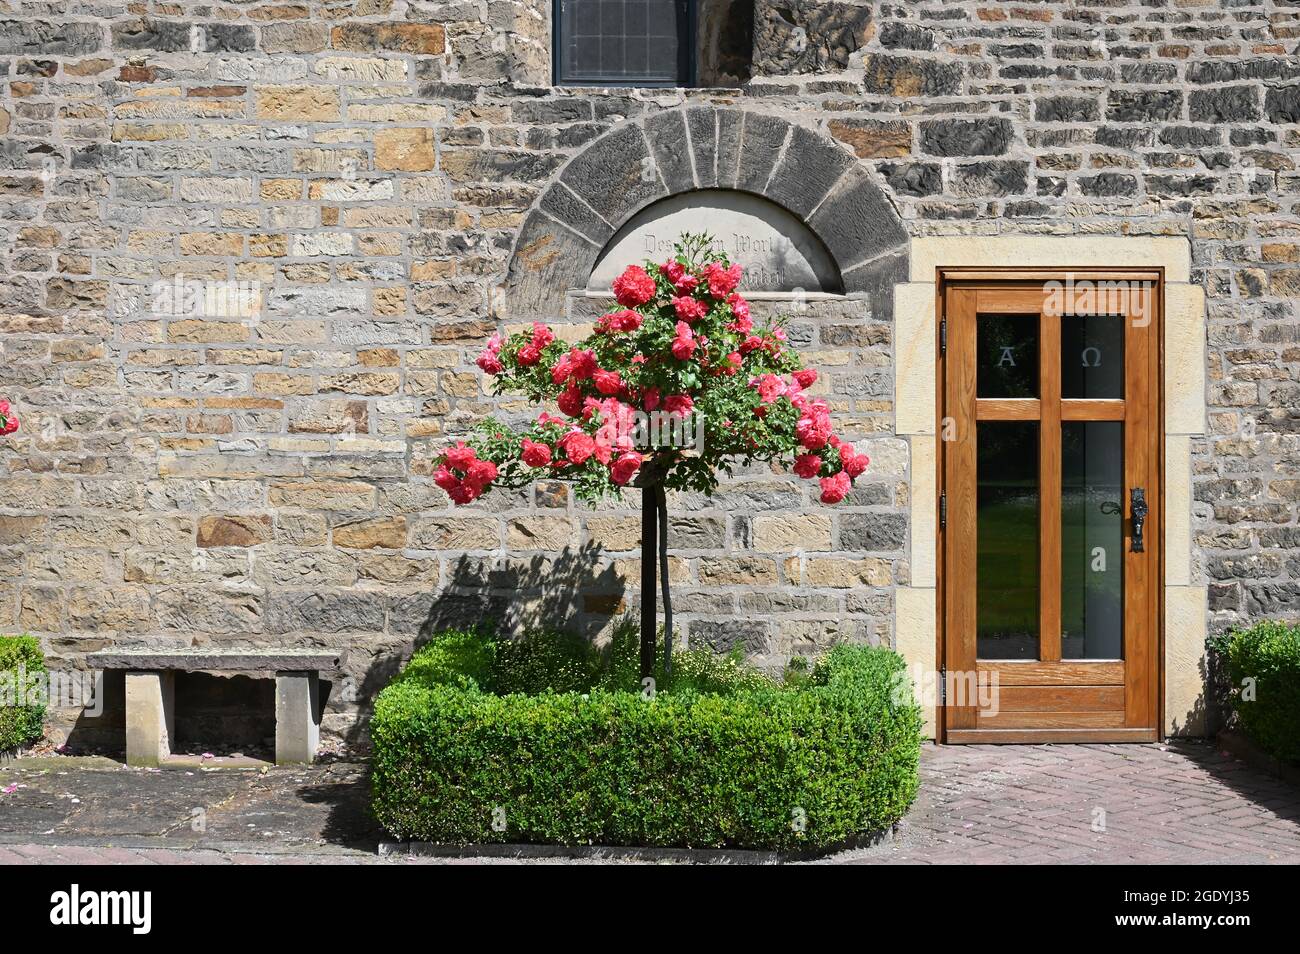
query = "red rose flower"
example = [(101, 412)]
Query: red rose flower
[(807, 466), (577, 446), (571, 400), (634, 287), (608, 382), (835, 489), (682, 404), (625, 468), (689, 309), (536, 454)]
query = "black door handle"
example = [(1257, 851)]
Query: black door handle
[(1138, 507)]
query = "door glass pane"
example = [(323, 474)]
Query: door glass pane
[(1092, 356), (1092, 540), (1006, 356), (1006, 535)]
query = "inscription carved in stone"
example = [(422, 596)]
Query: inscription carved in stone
[(778, 251)]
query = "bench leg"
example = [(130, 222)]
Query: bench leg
[(297, 717), (150, 716)]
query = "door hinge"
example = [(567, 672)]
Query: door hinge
[(943, 511), (943, 685), (943, 335)]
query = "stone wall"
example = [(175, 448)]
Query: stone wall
[(348, 183)]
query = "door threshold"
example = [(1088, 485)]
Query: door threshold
[(1038, 736)]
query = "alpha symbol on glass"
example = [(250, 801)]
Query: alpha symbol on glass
[(1008, 357)]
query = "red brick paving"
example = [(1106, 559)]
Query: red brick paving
[(1181, 803)]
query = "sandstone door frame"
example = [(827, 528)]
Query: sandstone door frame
[(917, 310)]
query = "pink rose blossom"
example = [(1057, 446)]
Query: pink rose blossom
[(536, 454), (577, 446), (682, 404), (634, 287), (835, 489), (684, 344), (570, 400), (689, 309), (625, 468), (608, 382), (722, 281), (807, 466)]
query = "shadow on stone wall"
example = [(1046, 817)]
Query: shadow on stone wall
[(575, 589)]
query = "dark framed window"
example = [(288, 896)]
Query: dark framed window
[(624, 42)]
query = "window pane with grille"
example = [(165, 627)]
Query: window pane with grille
[(620, 41)]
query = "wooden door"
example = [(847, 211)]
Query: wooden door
[(1050, 505)]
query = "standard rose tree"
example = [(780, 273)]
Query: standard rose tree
[(8, 419), (667, 392)]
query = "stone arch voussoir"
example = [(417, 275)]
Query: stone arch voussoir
[(702, 147)]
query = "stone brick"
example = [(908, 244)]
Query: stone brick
[(965, 137), (1228, 104), (618, 534), (840, 573), (295, 37), (873, 139), (738, 571), (1066, 109), (297, 103), (362, 382), (1143, 106), (307, 611), (904, 76), (42, 38), (419, 38), (1108, 184), (789, 533), (802, 36), (913, 178), (539, 533), (388, 533), (992, 177), (322, 495), (1282, 104), (407, 150), (234, 530), (455, 533), (873, 532)]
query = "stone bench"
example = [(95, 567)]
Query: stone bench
[(151, 694)]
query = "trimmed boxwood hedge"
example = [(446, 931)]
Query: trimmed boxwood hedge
[(21, 662), (815, 763), (1264, 674)]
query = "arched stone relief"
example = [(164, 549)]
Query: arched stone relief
[(702, 148), (780, 253)]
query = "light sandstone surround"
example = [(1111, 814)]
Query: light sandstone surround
[(1050, 251), (1185, 598)]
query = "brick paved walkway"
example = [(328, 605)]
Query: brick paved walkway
[(1181, 803), (1153, 804)]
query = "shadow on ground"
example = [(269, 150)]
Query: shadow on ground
[(66, 800)]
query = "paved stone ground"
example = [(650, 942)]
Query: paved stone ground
[(1183, 803)]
